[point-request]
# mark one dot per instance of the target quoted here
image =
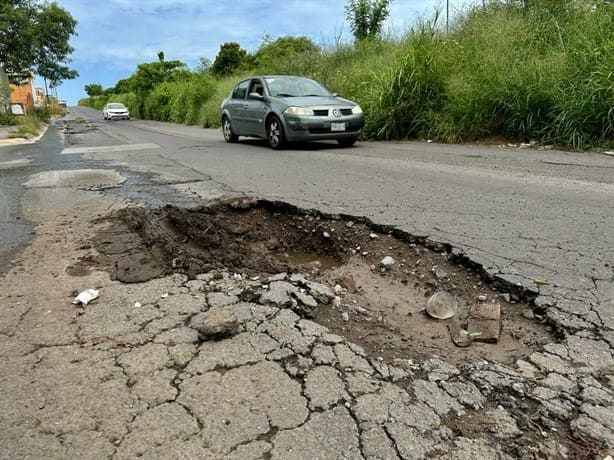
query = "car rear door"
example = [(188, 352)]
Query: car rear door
[(236, 108), (255, 108)]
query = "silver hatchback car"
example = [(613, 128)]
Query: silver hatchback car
[(285, 108)]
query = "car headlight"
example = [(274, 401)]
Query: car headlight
[(298, 111), (356, 110)]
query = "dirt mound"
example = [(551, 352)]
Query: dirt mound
[(383, 277)]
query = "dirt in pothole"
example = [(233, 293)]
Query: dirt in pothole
[(384, 305)]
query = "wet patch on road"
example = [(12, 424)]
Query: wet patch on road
[(75, 178), (382, 278), (109, 148)]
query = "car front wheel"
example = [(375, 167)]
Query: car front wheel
[(347, 141), (275, 133), (229, 136)]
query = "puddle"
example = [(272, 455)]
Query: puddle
[(381, 308), (311, 261)]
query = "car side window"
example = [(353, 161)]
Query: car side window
[(256, 87), (240, 90)]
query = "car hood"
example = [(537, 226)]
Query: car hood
[(316, 101)]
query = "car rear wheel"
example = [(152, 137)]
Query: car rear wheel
[(275, 133), (229, 136), (347, 141)]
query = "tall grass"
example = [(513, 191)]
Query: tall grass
[(502, 71)]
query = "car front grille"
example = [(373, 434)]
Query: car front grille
[(324, 112)]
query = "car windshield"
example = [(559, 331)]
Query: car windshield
[(116, 106), (295, 87)]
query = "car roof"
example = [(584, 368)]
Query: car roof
[(276, 76)]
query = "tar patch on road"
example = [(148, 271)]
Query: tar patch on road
[(379, 306)]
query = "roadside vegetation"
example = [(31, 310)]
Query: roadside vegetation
[(524, 71), (30, 125)]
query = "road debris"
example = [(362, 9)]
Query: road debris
[(85, 297), (442, 305), (484, 322), (387, 261), (460, 336)]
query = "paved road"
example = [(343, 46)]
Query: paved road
[(525, 215)]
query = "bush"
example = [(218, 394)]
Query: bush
[(7, 119), (210, 112)]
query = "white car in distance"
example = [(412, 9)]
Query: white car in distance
[(115, 111)]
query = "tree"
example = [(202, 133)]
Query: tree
[(93, 89), (204, 65), (271, 51), (229, 59), (5, 91), (123, 86), (150, 74), (53, 28), (16, 35), (35, 37), (366, 17)]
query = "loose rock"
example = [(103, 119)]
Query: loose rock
[(484, 322), (216, 323)]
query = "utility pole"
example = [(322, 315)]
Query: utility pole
[(447, 16)]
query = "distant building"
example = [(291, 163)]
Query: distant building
[(22, 94), (39, 96)]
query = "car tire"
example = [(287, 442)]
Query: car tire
[(347, 141), (229, 136), (275, 133)]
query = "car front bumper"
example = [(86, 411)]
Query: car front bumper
[(302, 128), (120, 116)]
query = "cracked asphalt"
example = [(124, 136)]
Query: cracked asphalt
[(216, 367)]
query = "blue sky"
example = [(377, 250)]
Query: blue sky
[(114, 36)]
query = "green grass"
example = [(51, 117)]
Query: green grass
[(27, 127), (542, 74)]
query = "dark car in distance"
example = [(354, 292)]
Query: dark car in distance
[(286, 108)]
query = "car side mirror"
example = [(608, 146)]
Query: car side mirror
[(335, 95), (257, 96)]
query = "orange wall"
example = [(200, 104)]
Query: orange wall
[(22, 94)]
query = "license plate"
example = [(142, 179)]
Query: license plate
[(337, 126)]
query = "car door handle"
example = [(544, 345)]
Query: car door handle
[(245, 106)]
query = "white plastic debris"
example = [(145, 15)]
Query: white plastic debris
[(164, 296), (387, 261), (345, 316), (373, 236), (137, 305), (86, 296), (326, 234)]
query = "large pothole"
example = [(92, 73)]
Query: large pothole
[(381, 307)]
